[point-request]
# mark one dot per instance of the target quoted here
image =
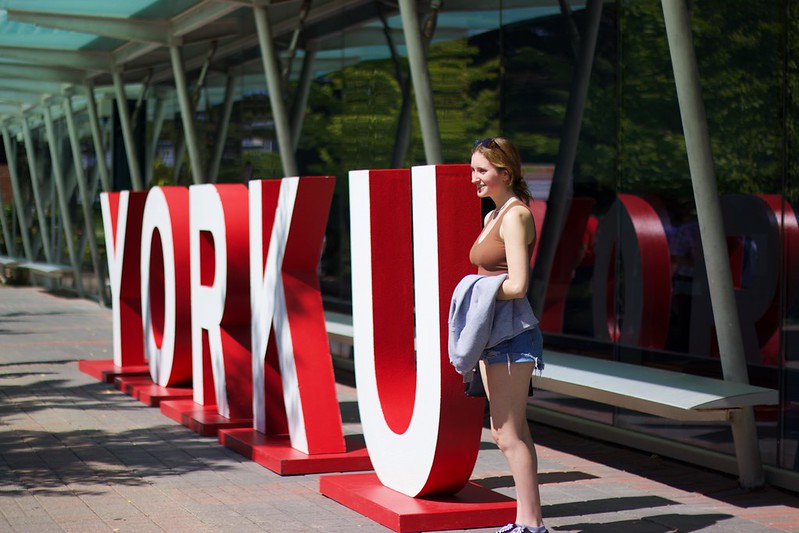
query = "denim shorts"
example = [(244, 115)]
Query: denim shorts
[(526, 347)]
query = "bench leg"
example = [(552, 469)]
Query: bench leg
[(747, 450)]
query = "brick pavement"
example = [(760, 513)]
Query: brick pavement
[(77, 455)]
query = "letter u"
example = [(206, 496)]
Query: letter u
[(410, 238)]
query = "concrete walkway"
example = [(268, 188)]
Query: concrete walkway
[(78, 455)]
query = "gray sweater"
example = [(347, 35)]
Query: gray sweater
[(477, 320)]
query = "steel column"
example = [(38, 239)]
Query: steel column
[(127, 131), (562, 189), (711, 229), (158, 122), (180, 156), (186, 114), (8, 238), (221, 134), (402, 137), (44, 231), (83, 191), (97, 137), (420, 75), (301, 96), (273, 82), (19, 205), (63, 201)]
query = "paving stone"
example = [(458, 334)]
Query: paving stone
[(78, 455)]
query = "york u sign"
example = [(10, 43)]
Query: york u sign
[(216, 287)]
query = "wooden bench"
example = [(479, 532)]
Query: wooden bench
[(339, 331), (53, 273), (7, 261), (47, 269), (664, 393), (654, 391), (8, 264)]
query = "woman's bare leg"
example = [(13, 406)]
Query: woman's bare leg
[(507, 387)]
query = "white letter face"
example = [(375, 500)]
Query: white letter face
[(422, 433), (220, 294), (287, 224), (165, 285), (122, 222)]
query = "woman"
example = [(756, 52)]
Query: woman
[(505, 246)]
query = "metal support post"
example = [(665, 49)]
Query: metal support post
[(221, 134), (49, 207), (420, 75), (44, 230), (158, 122), (711, 229), (402, 137), (63, 201), (83, 191), (273, 82), (180, 157), (97, 137), (186, 115), (301, 96), (562, 189), (19, 204), (127, 131), (8, 237)]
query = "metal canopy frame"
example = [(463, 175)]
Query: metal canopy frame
[(49, 47)]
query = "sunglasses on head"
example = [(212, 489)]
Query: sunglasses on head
[(487, 143)]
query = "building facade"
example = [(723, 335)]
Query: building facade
[(586, 90)]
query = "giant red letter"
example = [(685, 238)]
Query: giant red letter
[(165, 285), (122, 222), (287, 225), (422, 433), (220, 297)]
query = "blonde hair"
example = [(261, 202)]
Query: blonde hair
[(502, 153)]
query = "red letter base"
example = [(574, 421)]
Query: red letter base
[(423, 434)]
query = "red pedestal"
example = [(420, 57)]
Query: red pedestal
[(202, 419), (471, 508), (106, 371), (275, 453), (126, 384), (152, 394), (143, 389)]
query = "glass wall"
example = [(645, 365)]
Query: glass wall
[(629, 282)]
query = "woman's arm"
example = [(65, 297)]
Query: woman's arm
[(517, 232)]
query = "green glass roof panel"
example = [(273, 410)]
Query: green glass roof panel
[(25, 35), (102, 8), (470, 23), (20, 34)]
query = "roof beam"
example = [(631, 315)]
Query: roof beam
[(7, 111), (200, 15), (130, 51), (25, 86), (10, 70), (283, 23), (83, 60), (19, 97), (192, 19), (126, 29)]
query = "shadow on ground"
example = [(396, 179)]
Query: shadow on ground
[(56, 434), (684, 523)]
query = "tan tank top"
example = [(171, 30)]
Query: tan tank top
[(488, 255)]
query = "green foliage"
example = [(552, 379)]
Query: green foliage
[(738, 52)]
